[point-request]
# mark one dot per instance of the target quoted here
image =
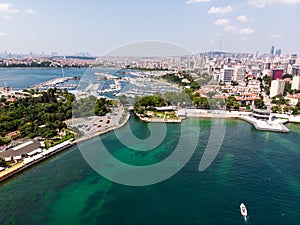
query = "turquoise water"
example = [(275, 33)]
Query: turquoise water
[(258, 168)]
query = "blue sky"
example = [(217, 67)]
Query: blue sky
[(97, 26)]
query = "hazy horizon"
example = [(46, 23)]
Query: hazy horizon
[(68, 27)]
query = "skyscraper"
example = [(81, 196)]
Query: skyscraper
[(278, 52), (272, 50)]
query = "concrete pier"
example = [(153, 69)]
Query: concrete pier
[(275, 126)]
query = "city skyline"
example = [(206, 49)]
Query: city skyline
[(100, 26)]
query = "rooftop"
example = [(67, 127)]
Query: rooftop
[(21, 149)]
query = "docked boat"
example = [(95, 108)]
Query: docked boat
[(243, 210)]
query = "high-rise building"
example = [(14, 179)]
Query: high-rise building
[(278, 52), (272, 50), (296, 83), (226, 75), (277, 87), (277, 74)]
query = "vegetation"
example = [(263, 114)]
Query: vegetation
[(266, 84), (288, 88), (43, 113), (285, 109), (3, 163), (180, 78), (201, 102), (204, 79), (91, 106), (279, 100), (287, 76), (231, 103), (275, 109), (4, 141), (295, 110), (259, 103), (123, 99), (149, 103), (179, 99)]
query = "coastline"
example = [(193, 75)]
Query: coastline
[(190, 113), (21, 166)]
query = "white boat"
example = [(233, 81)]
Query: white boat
[(243, 210)]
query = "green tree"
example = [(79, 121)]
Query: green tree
[(259, 103), (288, 88), (3, 163), (236, 105), (123, 99), (285, 109), (275, 109), (287, 76), (295, 110), (230, 101), (201, 102)]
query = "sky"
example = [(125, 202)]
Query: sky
[(98, 26)]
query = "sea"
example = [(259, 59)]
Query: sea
[(260, 169)]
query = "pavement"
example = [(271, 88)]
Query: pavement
[(94, 124)]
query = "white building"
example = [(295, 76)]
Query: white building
[(277, 87), (296, 83), (254, 86)]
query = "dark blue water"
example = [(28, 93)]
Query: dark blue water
[(258, 168)]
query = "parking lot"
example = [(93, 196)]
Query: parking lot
[(93, 124)]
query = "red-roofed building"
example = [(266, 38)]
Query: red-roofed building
[(13, 134)]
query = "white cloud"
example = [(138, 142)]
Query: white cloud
[(7, 8), (229, 28), (263, 3), (196, 1), (242, 18), (7, 17), (2, 34), (247, 30), (31, 11), (220, 10), (222, 22), (275, 35)]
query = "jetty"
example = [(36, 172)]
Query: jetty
[(275, 126), (52, 83)]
